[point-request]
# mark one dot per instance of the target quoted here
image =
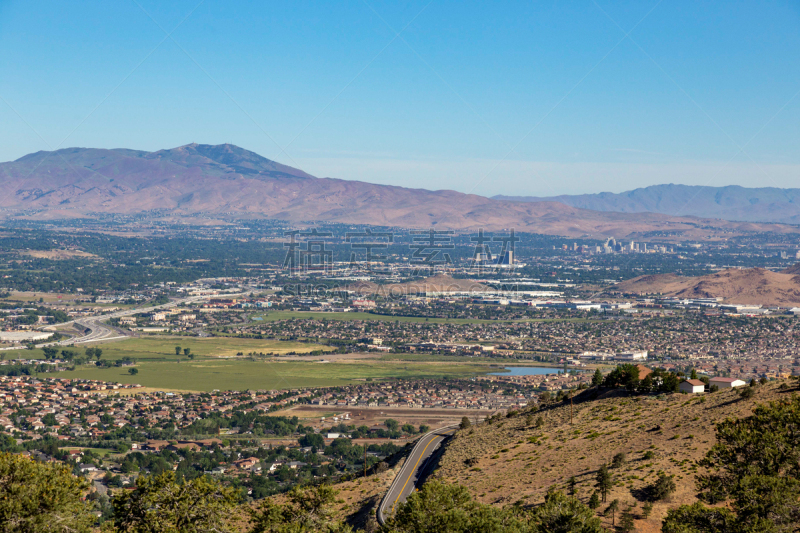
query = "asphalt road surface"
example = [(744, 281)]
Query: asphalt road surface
[(406, 481)]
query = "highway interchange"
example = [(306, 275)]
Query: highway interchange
[(100, 332)]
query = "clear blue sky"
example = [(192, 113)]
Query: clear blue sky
[(509, 97)]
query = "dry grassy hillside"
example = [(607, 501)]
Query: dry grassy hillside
[(745, 286), (508, 460)]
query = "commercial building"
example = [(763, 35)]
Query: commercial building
[(23, 336), (634, 355)]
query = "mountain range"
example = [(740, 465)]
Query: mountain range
[(764, 204), (225, 182)]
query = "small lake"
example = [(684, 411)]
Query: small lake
[(526, 371)]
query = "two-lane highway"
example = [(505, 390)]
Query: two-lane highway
[(406, 481)]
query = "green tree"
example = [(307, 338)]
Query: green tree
[(626, 523), (49, 419), (133, 371), (161, 505), (663, 488), (391, 424), (563, 514), (594, 500), (465, 423), (449, 508), (597, 378), (693, 375), (98, 353), (647, 508), (187, 351), (625, 375), (619, 460), (41, 497), (612, 509), (698, 518), (603, 479), (177, 350), (755, 468), (307, 510), (50, 352), (312, 439), (747, 392)]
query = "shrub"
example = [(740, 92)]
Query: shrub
[(663, 488)]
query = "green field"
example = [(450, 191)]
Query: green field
[(207, 374), (163, 348)]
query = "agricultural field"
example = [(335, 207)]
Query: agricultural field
[(210, 373), (163, 348)]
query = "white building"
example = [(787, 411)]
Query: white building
[(634, 355), (726, 383), (692, 386), (23, 336)]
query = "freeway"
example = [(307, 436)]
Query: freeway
[(99, 332), (406, 481)]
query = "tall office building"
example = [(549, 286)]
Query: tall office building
[(508, 258)]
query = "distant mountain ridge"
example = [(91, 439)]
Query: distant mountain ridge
[(764, 204), (218, 183)]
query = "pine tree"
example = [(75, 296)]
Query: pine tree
[(603, 481), (612, 508), (597, 379), (626, 521), (594, 501)]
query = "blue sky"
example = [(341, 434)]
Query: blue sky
[(528, 98)]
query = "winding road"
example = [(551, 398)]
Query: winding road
[(406, 481)]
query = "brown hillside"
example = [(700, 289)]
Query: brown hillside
[(794, 269), (509, 460), (745, 286)]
